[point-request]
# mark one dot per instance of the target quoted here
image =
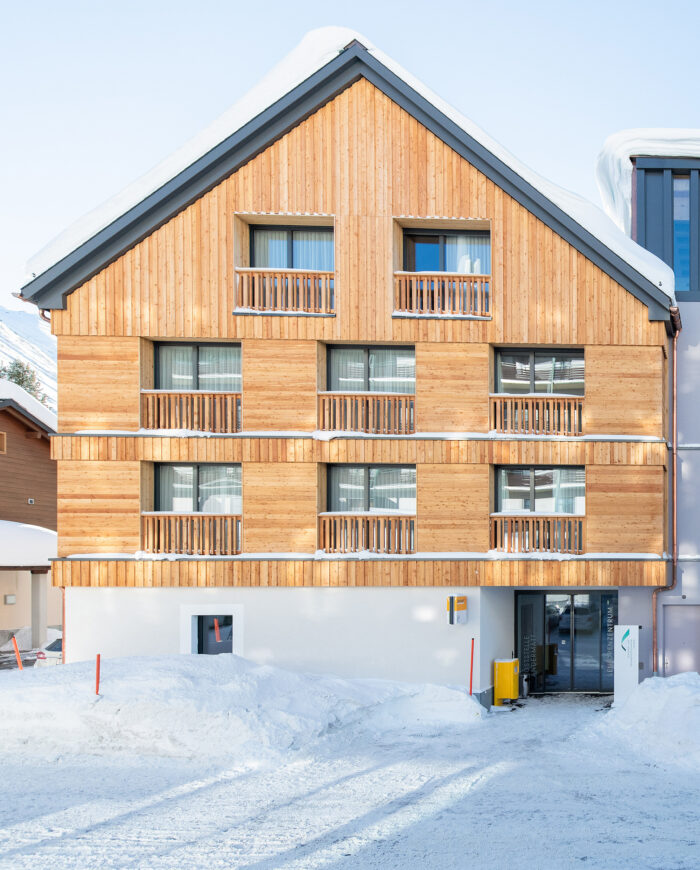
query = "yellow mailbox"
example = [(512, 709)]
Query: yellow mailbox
[(505, 680)]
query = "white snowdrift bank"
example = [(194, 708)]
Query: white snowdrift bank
[(661, 718), (206, 706)]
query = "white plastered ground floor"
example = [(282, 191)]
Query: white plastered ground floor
[(390, 633)]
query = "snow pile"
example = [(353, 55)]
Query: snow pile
[(614, 166), (23, 636), (22, 544), (209, 706), (12, 392), (661, 718), (315, 50)]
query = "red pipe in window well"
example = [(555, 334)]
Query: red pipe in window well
[(677, 327)]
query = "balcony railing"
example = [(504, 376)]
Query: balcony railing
[(374, 413), (191, 534), (442, 294), (538, 534), (290, 291), (203, 412), (537, 415), (352, 533)]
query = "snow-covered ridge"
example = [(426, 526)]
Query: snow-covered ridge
[(614, 166), (315, 50), (26, 337)]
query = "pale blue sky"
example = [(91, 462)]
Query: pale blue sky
[(95, 93)]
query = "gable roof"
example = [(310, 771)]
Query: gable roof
[(326, 62), (21, 402)]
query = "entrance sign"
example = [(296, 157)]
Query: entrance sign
[(626, 662), (457, 610)]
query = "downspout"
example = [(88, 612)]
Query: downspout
[(676, 326)]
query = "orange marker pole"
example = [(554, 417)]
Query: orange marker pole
[(471, 668), (17, 655), (97, 674), (217, 633)]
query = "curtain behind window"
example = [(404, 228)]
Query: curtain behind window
[(313, 250), (220, 490), (559, 373), (176, 488), (557, 490), (468, 254), (392, 370), (513, 373), (270, 249), (347, 369), (513, 490), (220, 368), (347, 488), (176, 367), (392, 489)]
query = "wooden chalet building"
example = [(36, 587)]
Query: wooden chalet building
[(349, 359)]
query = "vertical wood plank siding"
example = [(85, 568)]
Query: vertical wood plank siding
[(367, 166), (180, 280)]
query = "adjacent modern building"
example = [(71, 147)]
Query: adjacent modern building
[(650, 182), (343, 357)]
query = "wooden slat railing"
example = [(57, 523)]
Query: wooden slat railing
[(285, 290), (538, 534), (537, 415), (442, 293), (376, 413), (203, 412), (191, 534), (351, 533)]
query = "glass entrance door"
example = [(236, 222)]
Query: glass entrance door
[(565, 641)]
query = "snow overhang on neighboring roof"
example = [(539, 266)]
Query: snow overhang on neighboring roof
[(324, 63), (25, 546), (614, 165), (14, 396)]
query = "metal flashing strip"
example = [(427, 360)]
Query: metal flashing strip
[(49, 289)]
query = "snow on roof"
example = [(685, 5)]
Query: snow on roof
[(25, 545), (614, 165), (32, 406), (315, 50)]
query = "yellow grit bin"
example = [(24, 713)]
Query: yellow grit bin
[(505, 680)]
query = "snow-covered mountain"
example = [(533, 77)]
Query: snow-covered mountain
[(25, 336)]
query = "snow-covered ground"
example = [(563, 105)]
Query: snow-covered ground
[(214, 762)]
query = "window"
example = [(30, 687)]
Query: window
[(666, 215), (377, 489), (530, 372), (681, 231), (466, 253), (372, 369), (309, 249), (208, 489), (208, 367), (541, 490)]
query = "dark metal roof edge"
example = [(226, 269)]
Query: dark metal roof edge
[(51, 287), (11, 403)]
